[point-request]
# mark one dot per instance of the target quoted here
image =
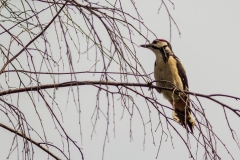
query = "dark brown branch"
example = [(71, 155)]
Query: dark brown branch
[(79, 83), (23, 49), (64, 73), (29, 139)]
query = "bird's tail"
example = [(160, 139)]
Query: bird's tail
[(182, 113), (183, 118)]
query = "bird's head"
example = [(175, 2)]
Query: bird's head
[(159, 45), (161, 48)]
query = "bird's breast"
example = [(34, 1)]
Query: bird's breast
[(166, 75)]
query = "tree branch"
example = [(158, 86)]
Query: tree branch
[(23, 49), (29, 139)]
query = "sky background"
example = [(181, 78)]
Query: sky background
[(209, 49)]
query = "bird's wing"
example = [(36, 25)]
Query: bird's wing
[(182, 74), (178, 113)]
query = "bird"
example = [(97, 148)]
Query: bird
[(169, 72)]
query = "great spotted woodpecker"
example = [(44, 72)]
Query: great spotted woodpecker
[(169, 72)]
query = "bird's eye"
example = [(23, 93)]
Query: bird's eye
[(154, 42)]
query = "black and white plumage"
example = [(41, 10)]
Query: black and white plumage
[(169, 72)]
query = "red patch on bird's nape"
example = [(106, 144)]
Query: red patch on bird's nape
[(166, 42), (163, 40)]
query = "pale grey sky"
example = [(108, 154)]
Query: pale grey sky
[(209, 50)]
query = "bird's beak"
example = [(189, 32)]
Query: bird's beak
[(146, 45)]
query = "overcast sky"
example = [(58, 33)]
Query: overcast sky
[(209, 48)]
